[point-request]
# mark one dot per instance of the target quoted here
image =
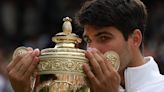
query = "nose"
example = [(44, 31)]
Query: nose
[(101, 47), (92, 45)]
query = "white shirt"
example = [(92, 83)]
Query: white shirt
[(5, 85), (144, 78), (2, 83)]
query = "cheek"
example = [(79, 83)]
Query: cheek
[(109, 46), (104, 48), (114, 45), (125, 57), (100, 47), (124, 60)]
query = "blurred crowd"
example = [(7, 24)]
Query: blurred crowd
[(32, 23), (154, 35)]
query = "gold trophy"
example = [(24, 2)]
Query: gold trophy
[(60, 68)]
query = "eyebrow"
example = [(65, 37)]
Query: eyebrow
[(102, 33)]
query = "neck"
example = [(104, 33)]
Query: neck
[(122, 79), (137, 60)]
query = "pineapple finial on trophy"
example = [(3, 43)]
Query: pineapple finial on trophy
[(66, 39), (67, 27)]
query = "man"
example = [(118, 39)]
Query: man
[(116, 25)]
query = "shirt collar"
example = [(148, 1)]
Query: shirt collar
[(137, 77)]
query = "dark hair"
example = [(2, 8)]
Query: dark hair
[(125, 15)]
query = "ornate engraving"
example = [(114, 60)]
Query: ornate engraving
[(20, 51), (114, 58), (53, 65)]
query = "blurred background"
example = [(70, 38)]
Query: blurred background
[(32, 23)]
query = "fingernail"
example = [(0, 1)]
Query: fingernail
[(94, 49), (29, 49), (37, 51), (89, 49)]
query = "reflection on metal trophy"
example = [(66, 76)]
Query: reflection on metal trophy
[(60, 68)]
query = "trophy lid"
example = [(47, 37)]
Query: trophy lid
[(66, 39), (65, 42)]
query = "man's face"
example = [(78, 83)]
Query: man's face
[(106, 39)]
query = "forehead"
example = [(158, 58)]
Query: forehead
[(90, 30)]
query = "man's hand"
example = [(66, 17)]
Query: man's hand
[(102, 76), (21, 69)]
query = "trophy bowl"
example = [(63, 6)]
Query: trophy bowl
[(60, 70)]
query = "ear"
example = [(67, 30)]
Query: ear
[(137, 38)]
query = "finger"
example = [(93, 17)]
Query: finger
[(14, 61), (90, 74), (94, 64), (32, 67), (101, 60), (14, 72), (110, 66), (37, 52), (28, 60), (21, 66), (29, 49)]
